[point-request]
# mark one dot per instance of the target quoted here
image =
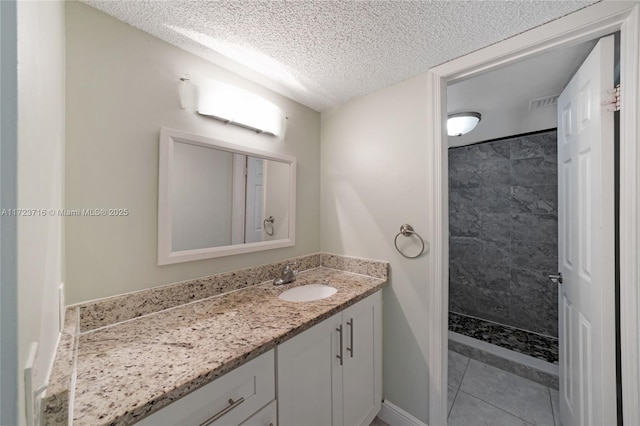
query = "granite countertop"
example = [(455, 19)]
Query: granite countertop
[(130, 369)]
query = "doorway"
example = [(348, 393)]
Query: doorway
[(589, 24), (503, 215)]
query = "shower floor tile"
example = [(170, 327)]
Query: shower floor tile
[(489, 396), (532, 344)]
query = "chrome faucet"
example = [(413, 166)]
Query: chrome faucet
[(288, 274)]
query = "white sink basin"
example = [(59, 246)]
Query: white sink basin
[(307, 293)]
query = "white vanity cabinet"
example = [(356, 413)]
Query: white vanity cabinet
[(264, 417), (331, 374), (237, 397)]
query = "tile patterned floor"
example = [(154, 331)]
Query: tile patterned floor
[(480, 394), (532, 344)]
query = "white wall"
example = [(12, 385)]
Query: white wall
[(503, 95), (8, 272), (41, 135), (122, 86), (374, 179), (511, 122)]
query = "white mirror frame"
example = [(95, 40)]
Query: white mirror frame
[(168, 137)]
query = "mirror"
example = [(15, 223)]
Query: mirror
[(218, 199)]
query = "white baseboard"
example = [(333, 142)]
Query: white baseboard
[(396, 416)]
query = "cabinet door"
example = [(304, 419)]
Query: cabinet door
[(362, 372), (310, 377)]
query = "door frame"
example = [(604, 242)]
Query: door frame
[(8, 224), (587, 24)]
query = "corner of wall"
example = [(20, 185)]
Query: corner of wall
[(374, 177), (40, 166)]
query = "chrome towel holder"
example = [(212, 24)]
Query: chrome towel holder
[(407, 231)]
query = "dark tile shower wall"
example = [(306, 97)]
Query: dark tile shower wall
[(503, 231)]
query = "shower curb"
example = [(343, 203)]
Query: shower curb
[(519, 364)]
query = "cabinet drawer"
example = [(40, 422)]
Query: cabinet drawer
[(228, 400), (264, 417)]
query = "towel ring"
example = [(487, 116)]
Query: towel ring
[(407, 231), (268, 223)]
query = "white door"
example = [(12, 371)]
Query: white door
[(586, 244), (255, 195)]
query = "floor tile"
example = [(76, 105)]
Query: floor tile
[(378, 422), (456, 367), (468, 410), (555, 405), (451, 396), (544, 378), (521, 397)]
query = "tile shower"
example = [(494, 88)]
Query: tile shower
[(503, 243)]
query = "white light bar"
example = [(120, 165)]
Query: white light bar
[(240, 107)]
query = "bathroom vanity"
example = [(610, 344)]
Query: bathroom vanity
[(227, 349), (243, 357), (327, 375)]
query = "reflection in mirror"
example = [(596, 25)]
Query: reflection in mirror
[(218, 199), (222, 198)]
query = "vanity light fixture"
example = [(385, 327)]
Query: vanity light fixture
[(462, 123), (237, 106), (184, 91)]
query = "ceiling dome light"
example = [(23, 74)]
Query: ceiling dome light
[(462, 123)]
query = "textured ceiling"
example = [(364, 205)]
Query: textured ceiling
[(322, 53)]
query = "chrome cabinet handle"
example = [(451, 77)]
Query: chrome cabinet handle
[(556, 278), (340, 357), (350, 324), (232, 404)]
